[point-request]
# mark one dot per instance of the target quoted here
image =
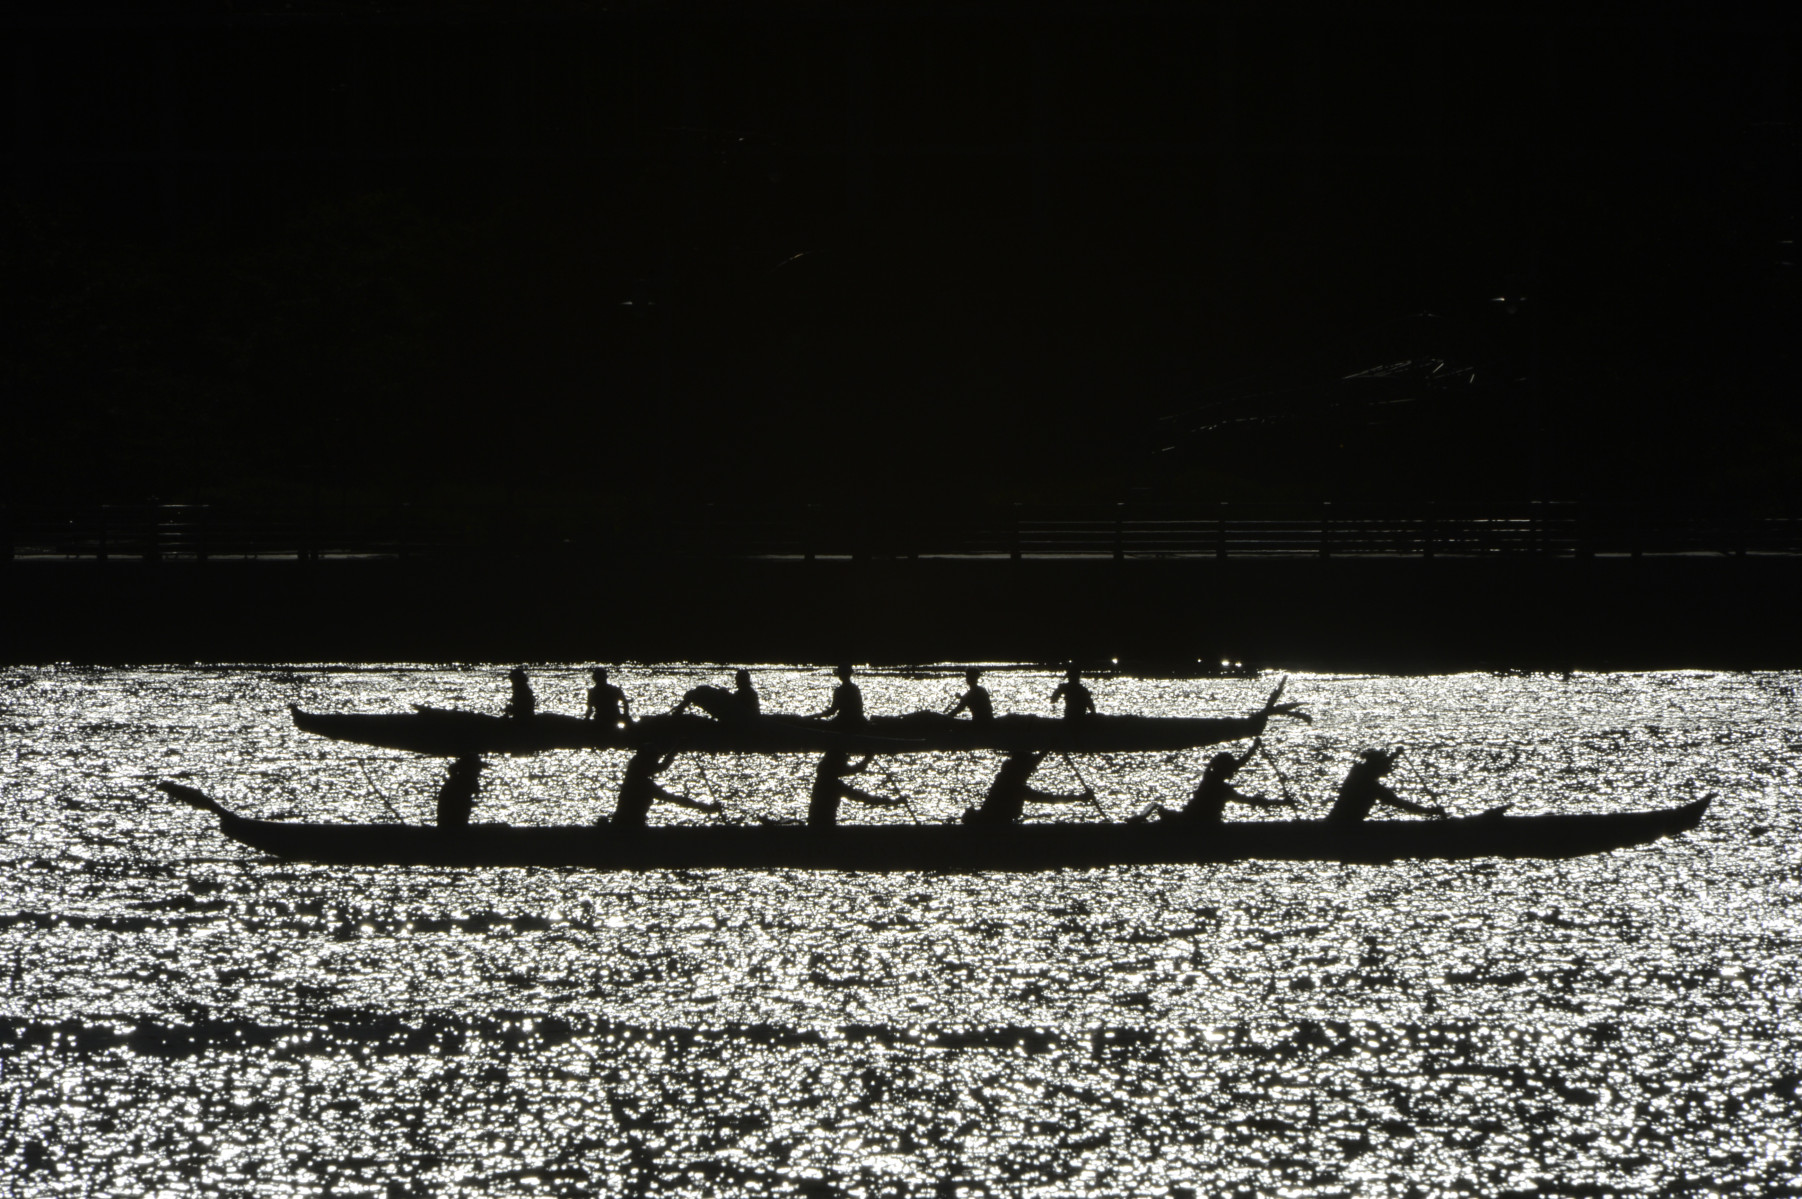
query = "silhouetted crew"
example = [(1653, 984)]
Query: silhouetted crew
[(1077, 700), (829, 787), (457, 796), (1361, 791), (1216, 790), (975, 699), (606, 702), (523, 703), (847, 700), (639, 790), (1009, 794), (721, 704)]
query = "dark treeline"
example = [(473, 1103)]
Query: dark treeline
[(644, 251)]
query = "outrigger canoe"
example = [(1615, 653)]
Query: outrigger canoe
[(950, 847), (446, 732)]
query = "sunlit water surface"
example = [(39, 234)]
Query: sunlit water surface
[(180, 1016)]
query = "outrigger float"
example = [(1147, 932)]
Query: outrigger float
[(946, 847)]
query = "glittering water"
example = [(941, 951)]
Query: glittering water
[(180, 1017)]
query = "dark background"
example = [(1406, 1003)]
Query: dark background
[(636, 252)]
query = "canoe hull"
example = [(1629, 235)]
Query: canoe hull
[(958, 849), (447, 733)]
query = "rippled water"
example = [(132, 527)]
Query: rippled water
[(178, 1016)]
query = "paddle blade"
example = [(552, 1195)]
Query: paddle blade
[(1277, 694)]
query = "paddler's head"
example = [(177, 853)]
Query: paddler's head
[(743, 679), (970, 677), (1223, 765), (844, 671), (599, 673), (1377, 762)]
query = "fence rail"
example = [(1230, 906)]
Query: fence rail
[(199, 532)]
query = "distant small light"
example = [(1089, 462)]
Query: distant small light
[(1116, 661), (1225, 662)]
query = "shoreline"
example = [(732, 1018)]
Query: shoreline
[(1402, 616)]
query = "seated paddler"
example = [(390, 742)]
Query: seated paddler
[(1077, 699), (1363, 790), (640, 789), (741, 703), (522, 703), (975, 699), (847, 701), (829, 787), (606, 702), (457, 796), (1009, 793), (1214, 791)]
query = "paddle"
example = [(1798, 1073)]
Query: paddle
[(1421, 778), (888, 784), (719, 809), (1087, 790), (1280, 777), (378, 791)]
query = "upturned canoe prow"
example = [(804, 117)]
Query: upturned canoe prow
[(194, 798)]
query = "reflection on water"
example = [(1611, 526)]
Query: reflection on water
[(177, 1016)]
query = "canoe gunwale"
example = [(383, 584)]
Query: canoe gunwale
[(449, 733), (955, 848)]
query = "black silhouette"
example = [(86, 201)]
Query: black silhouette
[(1045, 846), (1009, 793), (1361, 791), (523, 703), (829, 787), (1078, 702), (457, 797), (606, 702), (639, 790), (847, 701), (1215, 791), (975, 699), (740, 704), (448, 732)]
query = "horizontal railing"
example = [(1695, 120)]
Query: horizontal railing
[(199, 532)]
